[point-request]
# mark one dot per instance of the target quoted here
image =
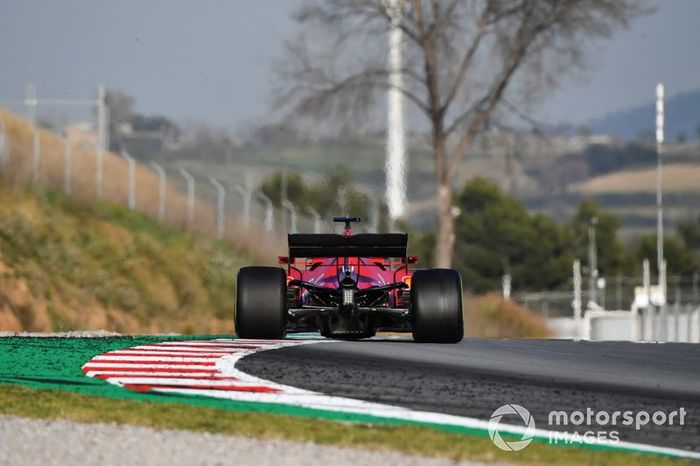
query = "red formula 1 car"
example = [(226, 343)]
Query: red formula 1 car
[(349, 286)]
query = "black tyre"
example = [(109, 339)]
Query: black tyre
[(260, 303), (436, 297)]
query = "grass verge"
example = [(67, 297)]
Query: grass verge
[(54, 404)]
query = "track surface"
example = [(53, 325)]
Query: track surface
[(477, 376)]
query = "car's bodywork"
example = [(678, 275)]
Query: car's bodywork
[(348, 285)]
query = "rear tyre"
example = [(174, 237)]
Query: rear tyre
[(436, 298), (260, 303)]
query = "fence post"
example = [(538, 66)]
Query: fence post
[(190, 195), (577, 289), (677, 315), (67, 164), (663, 311), (102, 138), (647, 320), (317, 219), (246, 195), (30, 102), (292, 215), (219, 207), (161, 189), (3, 143), (506, 284), (269, 212), (132, 179), (36, 151)]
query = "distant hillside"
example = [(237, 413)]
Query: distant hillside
[(682, 119)]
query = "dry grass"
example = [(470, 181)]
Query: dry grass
[(678, 177), (19, 163), (490, 316), (65, 265)]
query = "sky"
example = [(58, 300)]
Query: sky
[(213, 61)]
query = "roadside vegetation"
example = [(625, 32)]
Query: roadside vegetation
[(67, 264), (335, 194), (491, 316), (496, 234), (52, 404)]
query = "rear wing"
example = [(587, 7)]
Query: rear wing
[(361, 245)]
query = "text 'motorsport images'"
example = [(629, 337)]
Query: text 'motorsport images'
[(340, 232)]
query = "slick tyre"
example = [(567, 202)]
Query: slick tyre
[(261, 303), (436, 297)]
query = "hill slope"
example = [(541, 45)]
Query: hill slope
[(682, 118), (66, 264)]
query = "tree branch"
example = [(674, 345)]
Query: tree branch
[(464, 65), (485, 106), (377, 78)]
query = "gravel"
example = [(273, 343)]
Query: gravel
[(37, 442)]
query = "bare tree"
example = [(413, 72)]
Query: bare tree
[(462, 58)]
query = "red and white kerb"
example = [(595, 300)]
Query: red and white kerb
[(191, 366)]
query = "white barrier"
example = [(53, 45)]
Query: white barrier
[(676, 324), (608, 325)]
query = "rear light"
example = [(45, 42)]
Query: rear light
[(348, 286), (348, 296)]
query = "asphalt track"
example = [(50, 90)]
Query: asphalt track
[(475, 377)]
